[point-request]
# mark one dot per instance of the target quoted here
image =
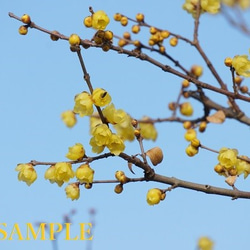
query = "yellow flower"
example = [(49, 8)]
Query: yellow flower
[(85, 174), (26, 173), (205, 243), (76, 152), (73, 191), (95, 148), (228, 157), (125, 133), (69, 118), (243, 167), (100, 20), (63, 171), (109, 113), (102, 134), (50, 175), (116, 144), (154, 196), (244, 4), (94, 121), (83, 104), (101, 97), (210, 6), (241, 65), (148, 130)]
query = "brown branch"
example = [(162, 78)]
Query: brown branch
[(147, 58), (235, 193)]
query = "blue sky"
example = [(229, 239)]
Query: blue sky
[(39, 80)]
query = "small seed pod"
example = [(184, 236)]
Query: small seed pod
[(155, 155)]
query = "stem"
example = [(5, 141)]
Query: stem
[(86, 77)]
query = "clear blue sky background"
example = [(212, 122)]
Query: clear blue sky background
[(39, 79)]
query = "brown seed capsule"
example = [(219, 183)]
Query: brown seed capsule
[(155, 155)]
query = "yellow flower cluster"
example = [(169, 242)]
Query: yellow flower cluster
[(84, 101), (230, 165), (210, 6), (103, 137)]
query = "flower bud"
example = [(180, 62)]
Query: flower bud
[(202, 126), (87, 21), (117, 17), (139, 17), (121, 177), (23, 30), (228, 61), (197, 70), (190, 134), (186, 109), (54, 36), (74, 39), (195, 143), (185, 83), (191, 151), (124, 21), (155, 155), (173, 41), (135, 29), (26, 19), (219, 169), (165, 34), (187, 125), (244, 89), (118, 188), (154, 196)]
